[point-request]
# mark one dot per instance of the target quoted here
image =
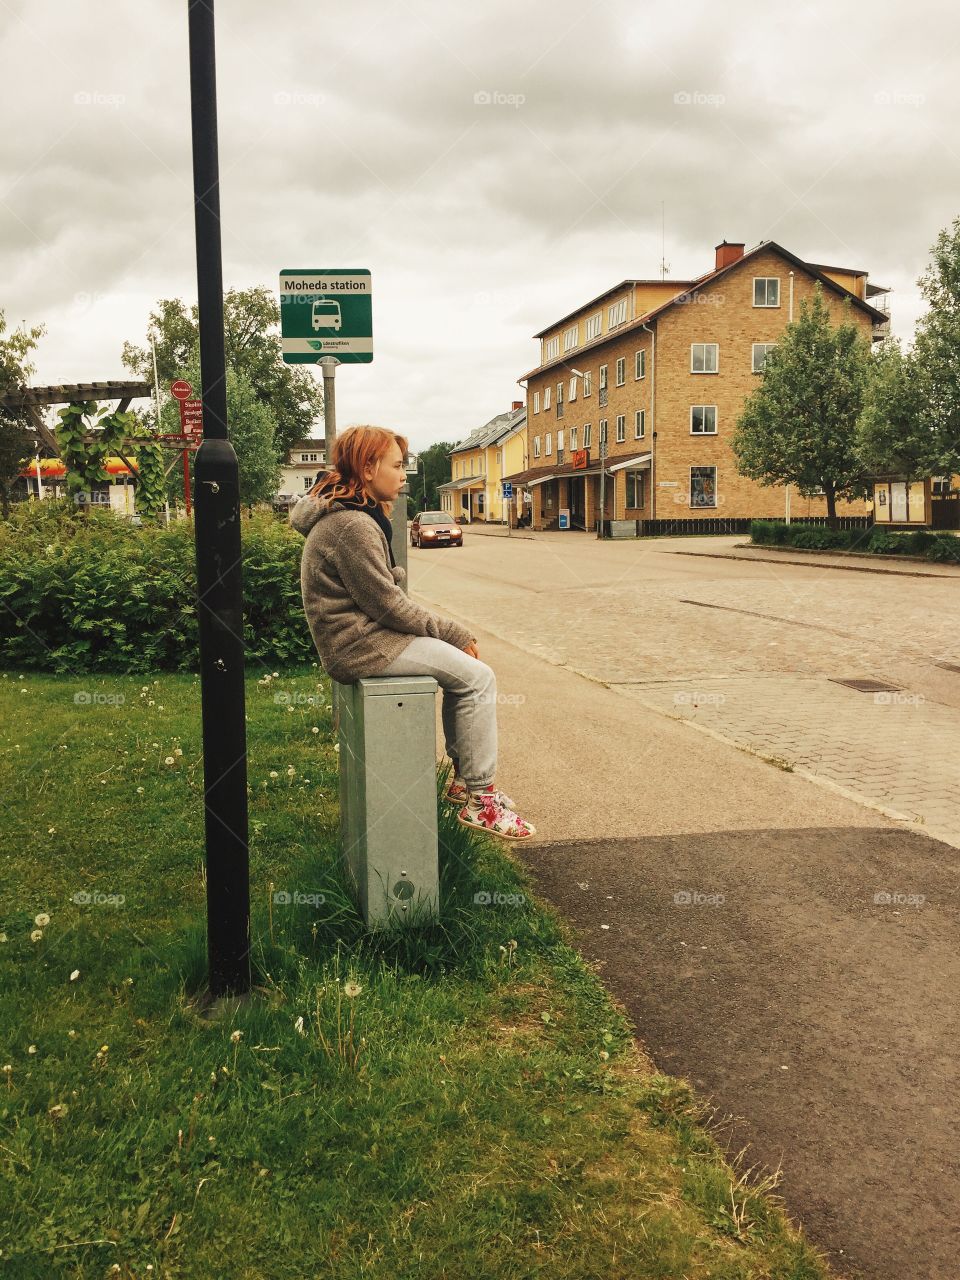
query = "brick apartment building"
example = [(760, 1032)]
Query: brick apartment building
[(661, 369)]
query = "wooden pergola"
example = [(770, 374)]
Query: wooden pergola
[(33, 398)]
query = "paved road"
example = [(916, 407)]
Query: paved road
[(808, 985)]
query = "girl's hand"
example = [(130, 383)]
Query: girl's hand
[(471, 648)]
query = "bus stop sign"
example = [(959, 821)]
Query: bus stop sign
[(326, 312)]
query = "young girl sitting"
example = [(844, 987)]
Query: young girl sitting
[(364, 624)]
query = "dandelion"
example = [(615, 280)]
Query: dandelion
[(51, 831), (150, 702), (178, 751), (169, 760), (128, 982), (236, 1036), (336, 746), (276, 675), (36, 935), (57, 1111), (604, 1055), (352, 989), (139, 791), (72, 1034), (274, 774), (31, 1048), (75, 975), (315, 729), (41, 920), (291, 771)]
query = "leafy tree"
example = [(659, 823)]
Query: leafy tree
[(16, 370), (252, 344), (433, 471), (936, 350), (800, 426), (894, 432)]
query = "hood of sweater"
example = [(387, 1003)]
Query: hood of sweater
[(308, 510)]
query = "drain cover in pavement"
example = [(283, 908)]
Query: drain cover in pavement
[(867, 686)]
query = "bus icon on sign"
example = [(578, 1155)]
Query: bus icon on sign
[(326, 314)]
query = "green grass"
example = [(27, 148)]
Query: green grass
[(478, 1108)]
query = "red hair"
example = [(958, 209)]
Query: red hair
[(354, 451)]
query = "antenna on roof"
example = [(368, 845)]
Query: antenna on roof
[(664, 266)]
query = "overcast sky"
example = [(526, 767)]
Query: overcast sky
[(494, 165)]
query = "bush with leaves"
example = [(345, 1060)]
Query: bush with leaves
[(96, 593)]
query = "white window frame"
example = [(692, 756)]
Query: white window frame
[(766, 281), (536, 446), (640, 424), (588, 383), (703, 406), (603, 431), (638, 476), (591, 326), (551, 348), (573, 439), (559, 395), (536, 402), (548, 445), (640, 365), (700, 506), (308, 482), (572, 394), (621, 370), (546, 399), (616, 314), (604, 384), (587, 433), (559, 443), (703, 347), (621, 427), (571, 337), (767, 346)]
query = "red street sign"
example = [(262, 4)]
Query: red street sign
[(191, 417), (181, 390)]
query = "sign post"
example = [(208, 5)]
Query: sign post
[(219, 576), (508, 498), (603, 472)]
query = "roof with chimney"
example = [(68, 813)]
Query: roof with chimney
[(688, 288)]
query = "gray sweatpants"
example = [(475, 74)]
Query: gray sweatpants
[(469, 707)]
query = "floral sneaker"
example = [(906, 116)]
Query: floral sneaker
[(459, 793), (486, 811)]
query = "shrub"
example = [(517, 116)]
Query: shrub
[(96, 593)]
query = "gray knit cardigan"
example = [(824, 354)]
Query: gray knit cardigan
[(359, 615)]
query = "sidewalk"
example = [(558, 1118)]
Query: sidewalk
[(817, 1016), (726, 547)]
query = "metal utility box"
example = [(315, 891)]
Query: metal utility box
[(388, 796)]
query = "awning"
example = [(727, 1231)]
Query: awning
[(641, 460), (468, 482)]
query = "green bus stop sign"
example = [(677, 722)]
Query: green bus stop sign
[(326, 312)]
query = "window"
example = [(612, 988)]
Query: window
[(703, 357), (938, 485), (760, 350), (766, 291), (559, 393), (560, 446), (570, 337), (621, 428), (591, 327), (616, 313), (536, 402), (546, 398), (640, 364), (635, 489), (621, 371), (536, 446), (308, 457), (573, 439), (640, 424), (499, 457), (703, 419), (551, 348), (548, 445), (703, 486), (308, 482), (603, 377), (588, 384), (573, 389), (603, 431), (586, 435)]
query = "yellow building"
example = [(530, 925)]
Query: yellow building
[(479, 464), (658, 371)]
